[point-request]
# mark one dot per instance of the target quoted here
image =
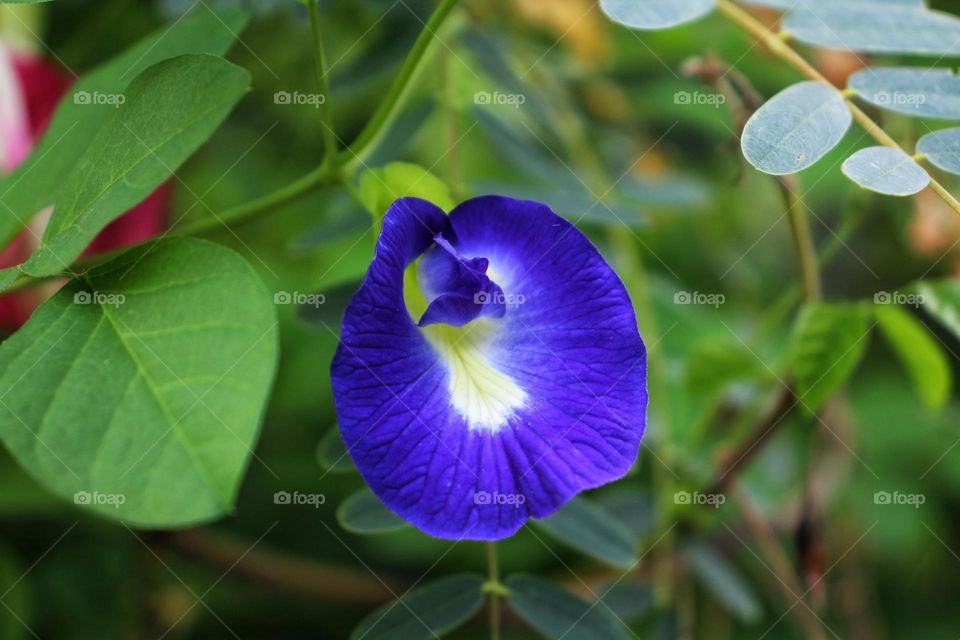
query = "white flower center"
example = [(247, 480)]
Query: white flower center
[(484, 396)]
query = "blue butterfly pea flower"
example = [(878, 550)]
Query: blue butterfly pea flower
[(489, 367)]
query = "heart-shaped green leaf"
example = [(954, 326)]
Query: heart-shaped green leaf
[(137, 390)]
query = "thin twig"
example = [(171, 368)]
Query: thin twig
[(276, 570), (779, 564)]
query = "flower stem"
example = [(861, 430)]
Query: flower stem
[(384, 113), (780, 48), (493, 579), (323, 82)]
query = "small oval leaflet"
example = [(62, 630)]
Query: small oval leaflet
[(427, 612), (860, 27), (885, 170), (556, 613), (795, 128), (942, 149), (722, 579), (819, 4), (363, 513), (655, 14), (589, 527), (927, 93), (332, 452)]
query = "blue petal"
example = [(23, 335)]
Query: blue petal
[(461, 289), (469, 431)]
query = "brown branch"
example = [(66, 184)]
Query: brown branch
[(736, 459), (780, 564), (277, 570)]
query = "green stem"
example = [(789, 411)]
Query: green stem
[(325, 175), (293, 191), (384, 113), (451, 118), (802, 238), (493, 579), (323, 82)]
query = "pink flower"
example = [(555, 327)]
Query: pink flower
[(30, 88)]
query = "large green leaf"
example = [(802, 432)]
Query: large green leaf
[(593, 530), (364, 513), (886, 170), (557, 613), (862, 27), (828, 342), (920, 353), (795, 128), (81, 113), (137, 390), (426, 612), (170, 110)]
